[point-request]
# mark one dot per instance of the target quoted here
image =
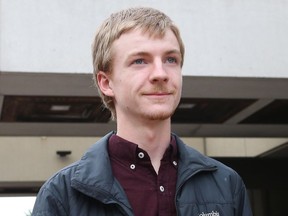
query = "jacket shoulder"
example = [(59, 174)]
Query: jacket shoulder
[(210, 170), (53, 196), (207, 185), (57, 195)]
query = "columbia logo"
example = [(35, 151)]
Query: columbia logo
[(210, 214)]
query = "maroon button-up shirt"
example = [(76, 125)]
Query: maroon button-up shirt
[(148, 193)]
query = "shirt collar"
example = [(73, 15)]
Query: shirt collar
[(128, 152)]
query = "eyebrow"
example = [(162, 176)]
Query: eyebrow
[(143, 53), (174, 51), (133, 54)]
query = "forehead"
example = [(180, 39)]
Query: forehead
[(137, 39)]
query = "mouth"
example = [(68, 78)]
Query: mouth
[(158, 94)]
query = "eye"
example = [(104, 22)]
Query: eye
[(171, 60), (139, 61)]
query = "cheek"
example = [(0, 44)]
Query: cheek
[(177, 80), (124, 88), (180, 85)]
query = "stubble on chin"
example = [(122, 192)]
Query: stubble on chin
[(159, 116)]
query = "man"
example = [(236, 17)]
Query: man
[(142, 168)]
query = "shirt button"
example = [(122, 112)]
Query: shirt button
[(161, 188), (132, 166), (174, 163), (141, 155)]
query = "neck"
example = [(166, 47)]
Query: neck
[(153, 137)]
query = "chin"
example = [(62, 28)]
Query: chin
[(159, 116)]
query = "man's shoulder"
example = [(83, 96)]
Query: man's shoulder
[(196, 156), (211, 171), (65, 175), (61, 180)]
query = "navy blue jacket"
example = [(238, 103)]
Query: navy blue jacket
[(205, 187)]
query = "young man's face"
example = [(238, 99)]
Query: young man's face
[(146, 80)]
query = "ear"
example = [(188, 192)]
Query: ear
[(103, 80)]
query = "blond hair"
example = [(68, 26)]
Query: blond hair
[(149, 20)]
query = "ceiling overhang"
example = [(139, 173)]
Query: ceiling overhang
[(55, 104)]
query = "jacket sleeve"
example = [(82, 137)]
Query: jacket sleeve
[(47, 204), (241, 199)]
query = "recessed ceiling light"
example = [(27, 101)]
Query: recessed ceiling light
[(60, 108), (186, 106)]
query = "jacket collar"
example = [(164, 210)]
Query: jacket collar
[(94, 177), (191, 162)]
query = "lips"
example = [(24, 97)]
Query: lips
[(158, 93), (158, 96)]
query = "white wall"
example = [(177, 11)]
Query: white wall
[(223, 37)]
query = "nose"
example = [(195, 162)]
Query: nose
[(159, 73)]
